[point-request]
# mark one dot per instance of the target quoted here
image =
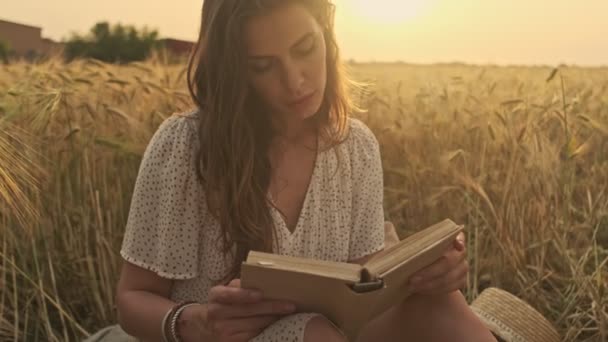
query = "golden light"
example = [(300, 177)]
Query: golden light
[(389, 11)]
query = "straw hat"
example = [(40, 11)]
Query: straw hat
[(511, 319)]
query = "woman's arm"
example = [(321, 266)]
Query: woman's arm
[(142, 300)]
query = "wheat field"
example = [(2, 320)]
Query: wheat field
[(517, 154)]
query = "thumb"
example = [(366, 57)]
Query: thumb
[(235, 283), (459, 243)]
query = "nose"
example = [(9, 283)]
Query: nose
[(294, 79)]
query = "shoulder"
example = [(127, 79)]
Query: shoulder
[(359, 129), (359, 150), (176, 134), (180, 120), (360, 137), (178, 126)]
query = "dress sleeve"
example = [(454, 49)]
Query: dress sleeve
[(367, 227), (163, 230)]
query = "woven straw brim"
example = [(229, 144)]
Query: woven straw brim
[(511, 318)]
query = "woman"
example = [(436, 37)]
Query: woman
[(269, 161)]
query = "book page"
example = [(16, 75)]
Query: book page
[(418, 243), (348, 272)]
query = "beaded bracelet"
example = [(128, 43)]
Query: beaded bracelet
[(178, 310), (164, 324), (167, 319)]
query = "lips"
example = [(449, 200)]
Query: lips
[(302, 100)]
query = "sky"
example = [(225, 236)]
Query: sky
[(531, 32)]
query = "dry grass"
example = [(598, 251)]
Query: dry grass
[(522, 161)]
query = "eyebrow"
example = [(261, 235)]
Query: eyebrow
[(299, 42)]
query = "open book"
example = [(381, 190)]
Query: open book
[(350, 295)]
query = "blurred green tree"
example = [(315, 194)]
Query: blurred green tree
[(4, 51), (113, 43)]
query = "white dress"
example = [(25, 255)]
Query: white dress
[(170, 231)]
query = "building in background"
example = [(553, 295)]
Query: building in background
[(180, 48), (27, 41)]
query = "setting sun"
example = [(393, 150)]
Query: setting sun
[(389, 11)]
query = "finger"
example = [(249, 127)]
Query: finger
[(459, 242), (235, 283), (461, 237), (441, 285), (454, 280), (452, 286), (233, 295), (217, 311), (454, 261), (440, 267)]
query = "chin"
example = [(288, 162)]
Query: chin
[(308, 114), (308, 111)]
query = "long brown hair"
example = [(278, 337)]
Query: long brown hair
[(235, 132)]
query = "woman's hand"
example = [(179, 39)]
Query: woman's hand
[(235, 314), (447, 274)]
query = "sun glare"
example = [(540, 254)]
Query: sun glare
[(389, 11)]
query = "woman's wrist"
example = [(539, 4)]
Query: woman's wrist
[(190, 325)]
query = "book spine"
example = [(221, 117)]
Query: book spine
[(369, 286)]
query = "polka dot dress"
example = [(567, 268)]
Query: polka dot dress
[(170, 232)]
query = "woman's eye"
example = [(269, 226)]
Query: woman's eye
[(261, 67), (307, 48)]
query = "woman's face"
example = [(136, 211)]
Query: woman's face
[(286, 61)]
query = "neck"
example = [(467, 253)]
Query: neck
[(293, 129)]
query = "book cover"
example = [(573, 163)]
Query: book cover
[(350, 295)]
